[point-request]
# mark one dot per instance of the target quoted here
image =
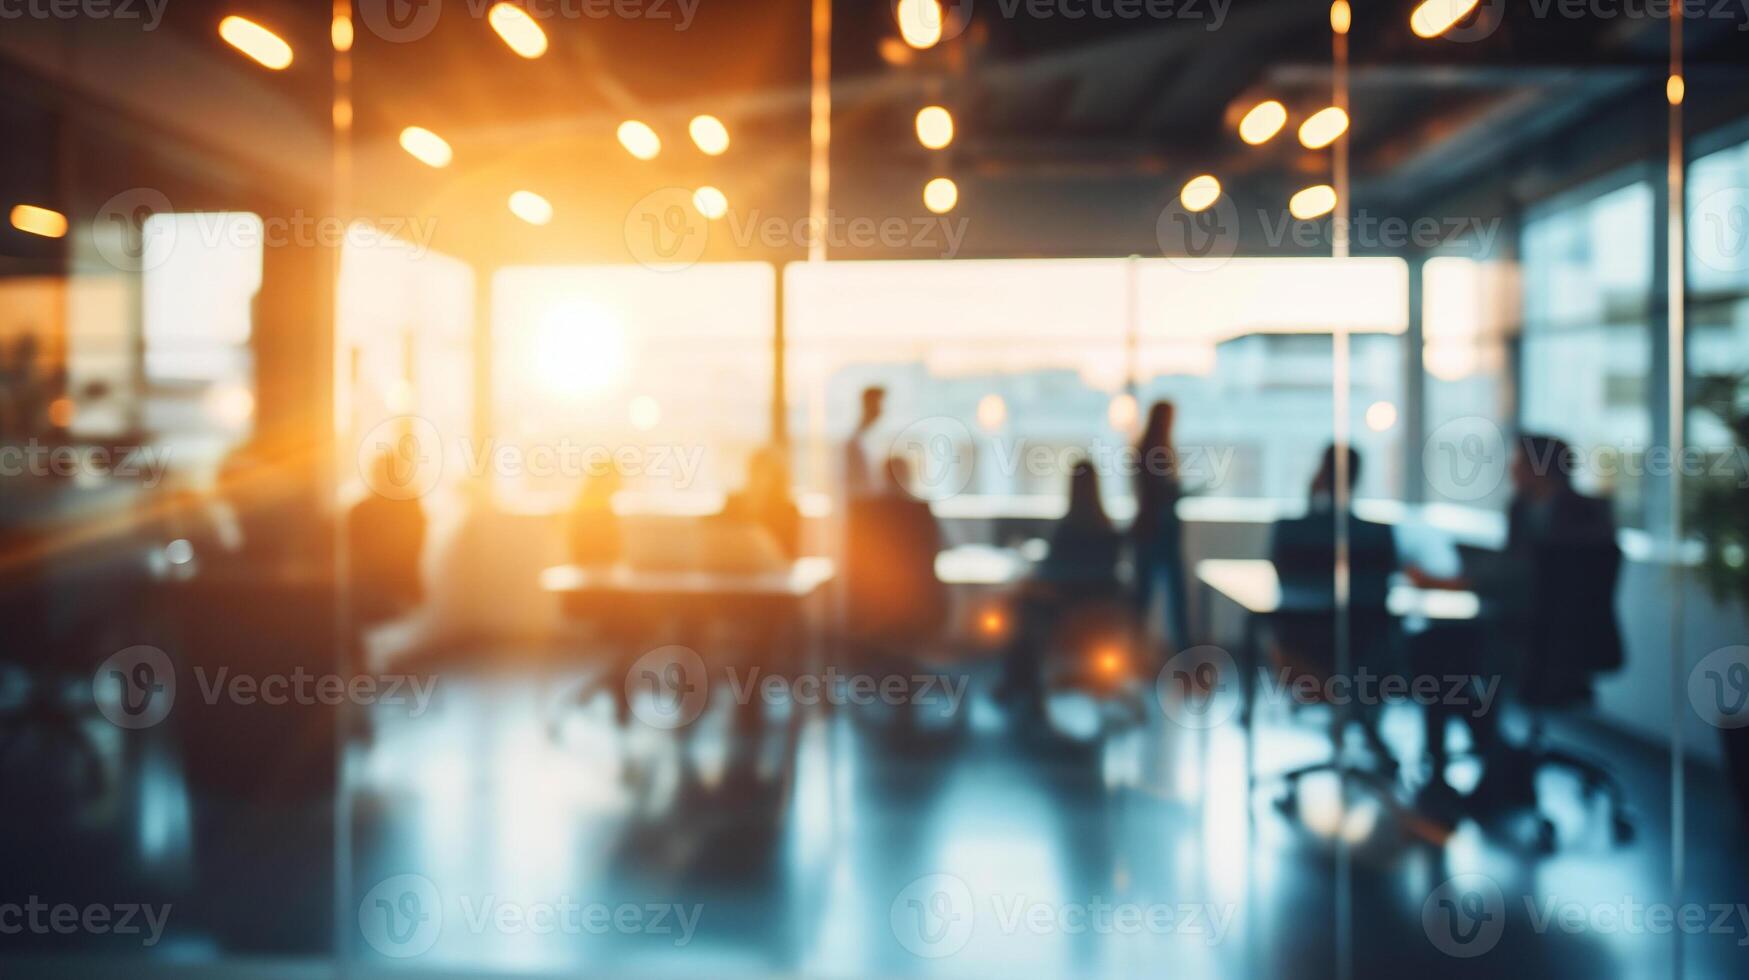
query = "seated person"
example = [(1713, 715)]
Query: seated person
[(1562, 558), (893, 594), (592, 534), (1079, 571), (1084, 546), (765, 502), (1303, 550), (385, 538)]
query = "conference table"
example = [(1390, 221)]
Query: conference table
[(1253, 585), (684, 603)]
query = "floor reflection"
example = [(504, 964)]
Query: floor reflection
[(509, 828)]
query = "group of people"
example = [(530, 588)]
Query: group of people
[(1550, 627), (892, 598)]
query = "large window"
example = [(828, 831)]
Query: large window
[(1004, 372), (201, 274), (663, 377), (1718, 282), (1587, 354)]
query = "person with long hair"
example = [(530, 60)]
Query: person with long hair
[(1156, 535)]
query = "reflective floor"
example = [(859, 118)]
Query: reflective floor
[(513, 829)]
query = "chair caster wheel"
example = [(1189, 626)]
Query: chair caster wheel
[(1621, 830), (1545, 835)]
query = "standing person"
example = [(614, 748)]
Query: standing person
[(1156, 535), (859, 479)]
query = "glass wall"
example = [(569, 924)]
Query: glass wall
[(1587, 343)]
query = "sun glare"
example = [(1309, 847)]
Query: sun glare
[(577, 349)]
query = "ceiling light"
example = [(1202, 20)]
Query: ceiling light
[(639, 139), (1262, 123), (1312, 202), (426, 146), (39, 221), (531, 207), (709, 134), (518, 30), (259, 43), (1322, 128), (934, 127), (1435, 17), (940, 195), (1200, 192)]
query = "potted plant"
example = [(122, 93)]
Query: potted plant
[(1718, 511)]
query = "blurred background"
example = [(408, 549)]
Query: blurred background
[(446, 520)]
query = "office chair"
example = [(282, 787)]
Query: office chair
[(1304, 644), (1094, 644), (895, 609), (1572, 637)]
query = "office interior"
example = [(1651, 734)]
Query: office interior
[(449, 527)]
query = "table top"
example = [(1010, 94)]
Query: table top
[(1254, 585), (800, 578), (981, 564)]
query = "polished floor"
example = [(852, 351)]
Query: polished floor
[(510, 830)]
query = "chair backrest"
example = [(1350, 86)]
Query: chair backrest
[(1573, 629), (890, 548)]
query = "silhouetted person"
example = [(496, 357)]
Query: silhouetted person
[(1303, 550), (1561, 558), (23, 393), (1080, 570), (859, 478), (1156, 535), (592, 534), (894, 596), (765, 501), (385, 539), (1084, 546)]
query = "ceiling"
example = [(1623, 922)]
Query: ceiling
[(1072, 133)]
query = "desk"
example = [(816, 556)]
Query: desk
[(981, 564), (1253, 585), (686, 601), (802, 578)]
